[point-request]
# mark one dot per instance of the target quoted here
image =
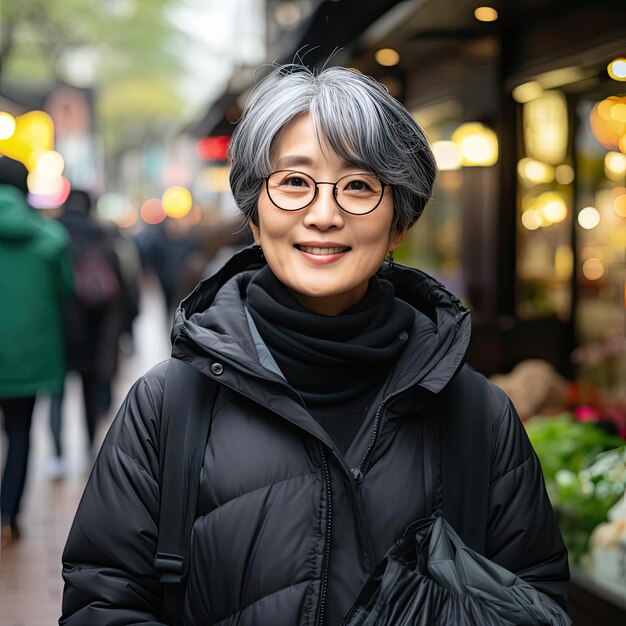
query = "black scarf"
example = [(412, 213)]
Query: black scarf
[(336, 363)]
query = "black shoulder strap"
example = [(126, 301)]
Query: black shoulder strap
[(464, 408), (188, 399)]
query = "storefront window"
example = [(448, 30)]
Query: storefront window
[(544, 203), (601, 246)]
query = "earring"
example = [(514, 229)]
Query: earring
[(389, 259)]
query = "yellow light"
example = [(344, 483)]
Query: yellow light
[(477, 143), (531, 220), (545, 127), (33, 134), (7, 125), (387, 57), (619, 205), (618, 112), (486, 14), (177, 202), (615, 162), (563, 262), (527, 91), (564, 174), (447, 155), (617, 69), (593, 269), (589, 217), (552, 207), (615, 166), (622, 144), (534, 171)]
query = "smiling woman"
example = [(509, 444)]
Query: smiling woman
[(332, 370), (316, 246)]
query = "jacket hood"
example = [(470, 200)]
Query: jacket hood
[(212, 322), (17, 219)]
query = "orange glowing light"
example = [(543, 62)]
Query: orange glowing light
[(606, 124)]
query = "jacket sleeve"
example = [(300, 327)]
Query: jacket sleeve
[(522, 533), (108, 558)]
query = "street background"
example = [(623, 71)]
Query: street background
[(122, 111)]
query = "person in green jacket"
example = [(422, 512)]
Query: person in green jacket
[(35, 280)]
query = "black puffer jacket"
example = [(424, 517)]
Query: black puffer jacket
[(287, 529)]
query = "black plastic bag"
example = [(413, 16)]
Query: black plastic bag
[(430, 578)]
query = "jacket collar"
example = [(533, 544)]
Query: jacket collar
[(213, 323)]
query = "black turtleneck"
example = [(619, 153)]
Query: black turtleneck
[(336, 363)]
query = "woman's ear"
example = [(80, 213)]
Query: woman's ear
[(396, 237), (256, 233)]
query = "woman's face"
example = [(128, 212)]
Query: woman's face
[(323, 255)]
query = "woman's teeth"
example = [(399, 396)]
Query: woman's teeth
[(321, 251)]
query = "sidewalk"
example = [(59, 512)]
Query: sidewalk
[(30, 571)]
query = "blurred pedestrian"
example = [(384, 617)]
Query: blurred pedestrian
[(35, 278), (164, 248), (337, 377), (93, 319)]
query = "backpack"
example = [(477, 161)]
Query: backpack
[(95, 280), (184, 431)]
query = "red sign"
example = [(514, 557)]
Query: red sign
[(213, 148)]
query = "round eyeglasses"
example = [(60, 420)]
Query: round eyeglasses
[(358, 194)]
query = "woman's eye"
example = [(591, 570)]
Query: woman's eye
[(358, 185), (295, 181)]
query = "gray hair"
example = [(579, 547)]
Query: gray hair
[(361, 121)]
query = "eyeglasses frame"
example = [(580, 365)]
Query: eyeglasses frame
[(322, 182)]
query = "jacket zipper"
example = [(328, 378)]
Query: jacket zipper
[(326, 558), (358, 473)]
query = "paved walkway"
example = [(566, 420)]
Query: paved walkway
[(30, 571)]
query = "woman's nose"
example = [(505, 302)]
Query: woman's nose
[(324, 212)]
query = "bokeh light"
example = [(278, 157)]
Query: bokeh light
[(589, 217), (593, 269), (615, 166), (531, 219), (33, 134), (619, 205), (617, 69), (564, 174), (176, 202), (607, 124), (478, 144), (7, 125), (50, 163), (535, 172), (151, 211), (53, 196), (387, 57), (552, 207), (485, 14)]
